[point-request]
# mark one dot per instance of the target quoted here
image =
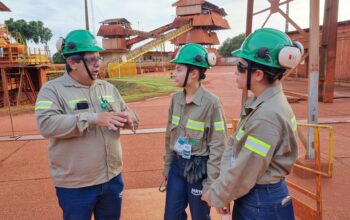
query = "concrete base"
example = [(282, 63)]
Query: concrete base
[(310, 164)]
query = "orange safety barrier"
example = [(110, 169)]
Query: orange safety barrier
[(303, 210)]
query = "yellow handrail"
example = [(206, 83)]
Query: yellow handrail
[(317, 144)]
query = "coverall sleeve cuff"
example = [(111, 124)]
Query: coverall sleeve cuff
[(86, 120), (214, 199), (92, 118), (166, 171)]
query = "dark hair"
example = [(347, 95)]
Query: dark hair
[(200, 69), (77, 57), (271, 73)]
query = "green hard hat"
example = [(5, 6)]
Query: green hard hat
[(263, 46), (196, 55), (80, 41)]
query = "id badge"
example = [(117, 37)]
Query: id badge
[(179, 145), (186, 152)]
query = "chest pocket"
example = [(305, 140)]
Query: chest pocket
[(79, 105), (195, 132)]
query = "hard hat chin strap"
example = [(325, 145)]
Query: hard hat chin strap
[(189, 69), (87, 68), (249, 76)]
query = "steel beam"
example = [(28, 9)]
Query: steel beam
[(328, 50)]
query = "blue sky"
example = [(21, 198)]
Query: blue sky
[(62, 16)]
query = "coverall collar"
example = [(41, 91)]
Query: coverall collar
[(197, 98), (69, 82), (254, 101)]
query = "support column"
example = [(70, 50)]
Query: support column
[(328, 50), (314, 73), (42, 77), (6, 97)]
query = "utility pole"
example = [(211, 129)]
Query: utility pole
[(248, 30), (287, 12), (86, 15), (92, 16)]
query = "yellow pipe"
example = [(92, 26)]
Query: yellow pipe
[(330, 167)]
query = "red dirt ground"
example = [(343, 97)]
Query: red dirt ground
[(27, 191)]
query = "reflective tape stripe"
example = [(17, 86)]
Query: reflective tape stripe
[(108, 98), (257, 146), (73, 102), (219, 126), (195, 125), (239, 134), (175, 120), (43, 105), (294, 123)]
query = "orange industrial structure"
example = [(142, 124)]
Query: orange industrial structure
[(3, 7), (205, 17), (342, 53), (22, 69), (196, 22)]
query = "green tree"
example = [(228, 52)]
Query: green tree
[(58, 58), (231, 44), (30, 31)]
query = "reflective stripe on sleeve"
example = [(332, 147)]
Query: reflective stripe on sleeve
[(294, 123), (219, 126), (257, 146), (175, 120), (195, 125), (43, 104), (239, 134)]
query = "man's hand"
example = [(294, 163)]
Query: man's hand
[(129, 121), (225, 210), (112, 120), (221, 210), (162, 187)]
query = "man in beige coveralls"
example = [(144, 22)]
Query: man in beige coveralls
[(82, 116)]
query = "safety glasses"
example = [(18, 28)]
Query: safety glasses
[(241, 67), (93, 60)]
